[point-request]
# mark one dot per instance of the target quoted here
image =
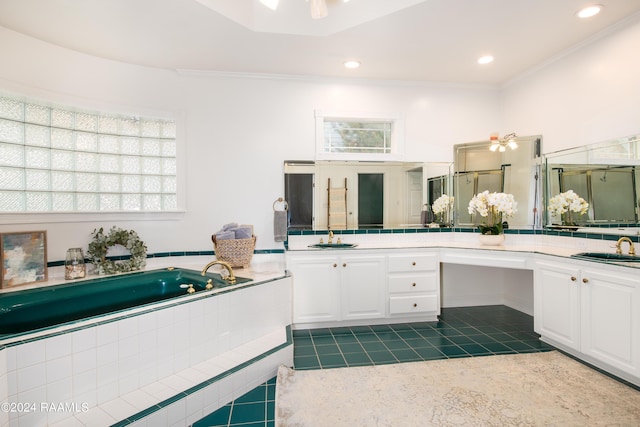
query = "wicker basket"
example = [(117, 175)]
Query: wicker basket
[(237, 252)]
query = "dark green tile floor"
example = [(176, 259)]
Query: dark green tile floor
[(460, 332)]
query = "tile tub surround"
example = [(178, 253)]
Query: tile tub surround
[(122, 367)]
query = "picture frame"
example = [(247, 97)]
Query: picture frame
[(24, 258)]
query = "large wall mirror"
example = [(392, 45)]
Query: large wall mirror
[(606, 175), (340, 195), (510, 165)]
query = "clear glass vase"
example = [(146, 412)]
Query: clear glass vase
[(567, 218), (74, 266)]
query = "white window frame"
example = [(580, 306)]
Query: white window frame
[(397, 135)]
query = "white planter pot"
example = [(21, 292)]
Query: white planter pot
[(491, 239)]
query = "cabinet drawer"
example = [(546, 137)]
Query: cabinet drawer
[(413, 262), (413, 304), (412, 283)]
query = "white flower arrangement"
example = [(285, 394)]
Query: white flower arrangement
[(442, 204), (564, 203), (441, 207), (492, 206)]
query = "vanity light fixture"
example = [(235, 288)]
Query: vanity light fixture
[(351, 64), (501, 144), (485, 59), (589, 11)]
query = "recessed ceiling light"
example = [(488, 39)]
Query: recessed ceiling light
[(589, 11), (352, 64), (485, 59)]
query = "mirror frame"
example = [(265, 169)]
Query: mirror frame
[(397, 200), (520, 175), (605, 156)]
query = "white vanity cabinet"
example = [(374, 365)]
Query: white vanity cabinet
[(414, 284), (592, 309), (556, 295), (362, 286), (610, 318), (316, 288), (337, 286)]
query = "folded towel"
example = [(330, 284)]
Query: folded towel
[(229, 226), (243, 232), (225, 235), (280, 226)]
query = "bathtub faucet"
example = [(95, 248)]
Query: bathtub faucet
[(231, 279), (632, 250)]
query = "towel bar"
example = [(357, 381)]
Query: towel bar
[(281, 200)]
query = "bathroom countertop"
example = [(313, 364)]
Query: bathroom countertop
[(514, 243)]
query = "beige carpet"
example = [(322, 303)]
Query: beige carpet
[(537, 389)]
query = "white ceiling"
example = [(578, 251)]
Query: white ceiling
[(418, 40)]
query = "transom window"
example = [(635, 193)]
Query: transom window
[(61, 159), (358, 136), (342, 136)]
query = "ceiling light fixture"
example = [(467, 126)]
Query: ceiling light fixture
[(589, 11), (352, 64), (485, 59), (271, 4), (318, 9), (501, 145)]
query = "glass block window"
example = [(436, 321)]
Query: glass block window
[(60, 159)]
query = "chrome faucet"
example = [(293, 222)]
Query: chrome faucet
[(231, 278), (632, 250)]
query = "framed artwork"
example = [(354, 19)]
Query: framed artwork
[(24, 257)]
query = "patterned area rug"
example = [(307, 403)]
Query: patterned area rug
[(510, 390)]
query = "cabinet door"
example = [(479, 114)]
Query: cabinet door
[(316, 296), (556, 303), (362, 283), (610, 318)]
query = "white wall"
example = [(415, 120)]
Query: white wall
[(589, 95), (236, 130)]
